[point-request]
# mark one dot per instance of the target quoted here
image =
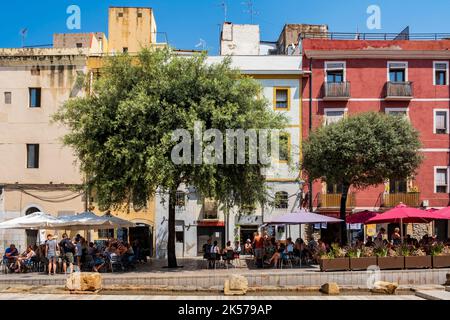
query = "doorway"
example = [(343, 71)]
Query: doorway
[(247, 232), (141, 238), (32, 235)]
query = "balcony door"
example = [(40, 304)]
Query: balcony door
[(398, 186)]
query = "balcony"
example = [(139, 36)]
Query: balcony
[(399, 91), (333, 200), (337, 91), (411, 199)]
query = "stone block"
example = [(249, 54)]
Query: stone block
[(84, 281), (330, 288)]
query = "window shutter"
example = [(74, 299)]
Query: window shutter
[(441, 177), (441, 120)]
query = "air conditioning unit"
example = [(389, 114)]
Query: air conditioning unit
[(425, 203)]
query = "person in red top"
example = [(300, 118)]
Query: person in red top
[(258, 244)]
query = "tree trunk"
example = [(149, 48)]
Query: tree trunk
[(171, 253), (343, 212)]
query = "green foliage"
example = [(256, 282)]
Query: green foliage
[(380, 249), (437, 249), (122, 132), (362, 150)]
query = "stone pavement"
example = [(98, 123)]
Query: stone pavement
[(60, 297), (434, 294)]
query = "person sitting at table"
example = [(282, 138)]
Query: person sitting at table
[(25, 258), (396, 238), (248, 249), (277, 255), (9, 256), (237, 247), (289, 246), (369, 242)]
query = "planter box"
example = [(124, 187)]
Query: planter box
[(441, 261), (391, 262), (418, 262), (362, 263), (337, 264)]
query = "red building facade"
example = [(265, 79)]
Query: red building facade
[(403, 77)]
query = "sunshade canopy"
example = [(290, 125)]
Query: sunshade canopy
[(302, 217), (405, 214), (89, 220), (36, 220), (360, 217)]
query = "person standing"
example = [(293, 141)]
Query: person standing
[(78, 253), (259, 247), (51, 246), (67, 251)]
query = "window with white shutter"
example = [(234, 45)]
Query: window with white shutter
[(441, 180), (440, 121), (333, 116)]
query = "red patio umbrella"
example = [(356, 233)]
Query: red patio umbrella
[(444, 212), (360, 217), (404, 214)]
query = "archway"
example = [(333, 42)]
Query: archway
[(32, 235)]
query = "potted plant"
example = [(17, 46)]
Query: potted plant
[(361, 258), (440, 255), (335, 260), (388, 258), (417, 259)]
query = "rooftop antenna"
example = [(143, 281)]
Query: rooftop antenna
[(251, 9), (224, 6), (23, 34)]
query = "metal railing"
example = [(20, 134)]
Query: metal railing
[(337, 90), (391, 200), (333, 200), (399, 89), (374, 36)]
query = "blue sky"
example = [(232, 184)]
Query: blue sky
[(186, 22)]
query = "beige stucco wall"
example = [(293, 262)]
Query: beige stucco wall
[(130, 31)]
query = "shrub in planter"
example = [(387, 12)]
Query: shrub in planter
[(388, 258), (417, 260), (440, 256), (361, 259), (335, 260)]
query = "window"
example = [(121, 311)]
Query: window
[(398, 186), (440, 73), (35, 97), (333, 115), (335, 188), (180, 199), (284, 147), (79, 45), (335, 72), (179, 231), (8, 97), (281, 200), (398, 71), (120, 15), (281, 98), (399, 112), (32, 156), (210, 209), (441, 179), (441, 121), (125, 50), (106, 233), (139, 14)]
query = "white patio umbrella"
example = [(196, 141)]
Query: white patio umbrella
[(90, 221), (34, 221)]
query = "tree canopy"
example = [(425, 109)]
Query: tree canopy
[(362, 150), (122, 132)]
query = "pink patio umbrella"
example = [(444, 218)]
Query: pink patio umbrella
[(360, 217), (444, 212), (404, 214)]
